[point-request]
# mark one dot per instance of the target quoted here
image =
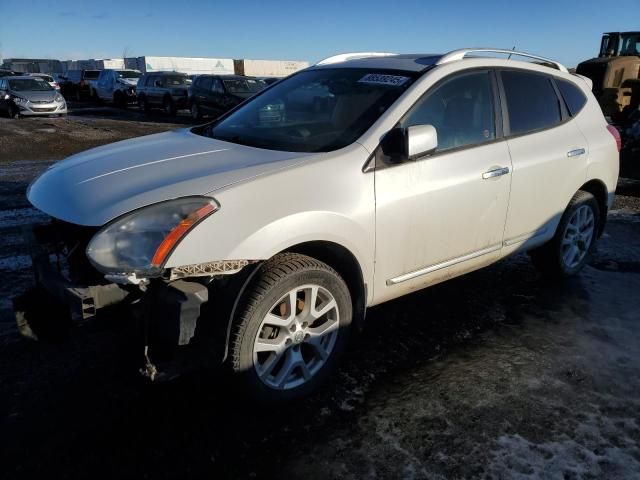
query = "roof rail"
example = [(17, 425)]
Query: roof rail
[(343, 57), (460, 54)]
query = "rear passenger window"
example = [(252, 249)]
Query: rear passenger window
[(573, 96), (461, 110), (532, 101)]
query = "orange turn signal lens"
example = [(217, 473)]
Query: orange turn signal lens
[(174, 236)]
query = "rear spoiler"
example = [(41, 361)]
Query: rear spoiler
[(586, 80)]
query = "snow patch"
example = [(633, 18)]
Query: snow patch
[(20, 216), (15, 262)]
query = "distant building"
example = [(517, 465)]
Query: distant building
[(32, 65), (188, 65)]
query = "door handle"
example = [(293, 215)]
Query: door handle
[(496, 172), (576, 152)]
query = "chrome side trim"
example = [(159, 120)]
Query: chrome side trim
[(445, 264), (525, 236)]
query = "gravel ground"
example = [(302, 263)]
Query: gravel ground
[(497, 374)]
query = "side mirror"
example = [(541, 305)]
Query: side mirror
[(402, 144), (422, 140)]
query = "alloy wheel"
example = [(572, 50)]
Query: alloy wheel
[(578, 236), (296, 338)]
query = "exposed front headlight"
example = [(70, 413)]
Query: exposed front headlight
[(140, 242), (58, 98), (19, 100)]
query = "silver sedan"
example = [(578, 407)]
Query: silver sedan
[(30, 96)]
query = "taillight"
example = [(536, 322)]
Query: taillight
[(82, 83), (616, 134)]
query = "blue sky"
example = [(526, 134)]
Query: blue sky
[(566, 30)]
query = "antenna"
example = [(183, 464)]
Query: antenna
[(513, 50)]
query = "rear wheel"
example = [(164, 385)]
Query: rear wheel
[(119, 100), (292, 330), (569, 250)]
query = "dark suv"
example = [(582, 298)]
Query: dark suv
[(216, 94), (166, 90), (75, 83)]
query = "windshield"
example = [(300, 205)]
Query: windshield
[(248, 85), (128, 74), (630, 44), (176, 80), (314, 111), (29, 85), (623, 44)]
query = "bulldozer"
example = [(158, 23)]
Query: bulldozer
[(615, 74)]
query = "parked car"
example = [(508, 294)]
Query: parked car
[(260, 241), (217, 94), (116, 86), (166, 90), (7, 73), (47, 78), (29, 96), (76, 83)]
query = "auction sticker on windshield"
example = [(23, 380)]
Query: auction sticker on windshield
[(380, 79)]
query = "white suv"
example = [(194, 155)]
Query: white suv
[(117, 86), (260, 239)]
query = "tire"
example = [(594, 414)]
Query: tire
[(13, 112), (196, 114), (169, 106), (119, 100), (574, 241), (143, 104), (291, 364)]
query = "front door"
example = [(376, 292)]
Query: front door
[(444, 214)]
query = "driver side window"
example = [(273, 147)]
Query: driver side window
[(461, 110)]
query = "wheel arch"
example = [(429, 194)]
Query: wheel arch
[(598, 189), (333, 254)]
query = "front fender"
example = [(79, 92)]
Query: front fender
[(210, 242)]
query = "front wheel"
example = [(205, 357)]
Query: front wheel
[(143, 104), (292, 330), (169, 106), (569, 250)]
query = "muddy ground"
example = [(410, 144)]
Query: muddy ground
[(499, 374)]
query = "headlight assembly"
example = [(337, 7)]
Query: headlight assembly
[(19, 100), (140, 242), (58, 98)]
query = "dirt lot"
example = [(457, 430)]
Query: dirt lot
[(495, 375)]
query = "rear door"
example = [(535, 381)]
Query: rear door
[(151, 89), (219, 98), (203, 93), (548, 152)]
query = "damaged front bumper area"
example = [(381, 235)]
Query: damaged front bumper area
[(163, 313)]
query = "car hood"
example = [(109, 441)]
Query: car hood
[(132, 82), (32, 96), (96, 186)]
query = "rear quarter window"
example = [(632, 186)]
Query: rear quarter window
[(573, 97), (532, 102)]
